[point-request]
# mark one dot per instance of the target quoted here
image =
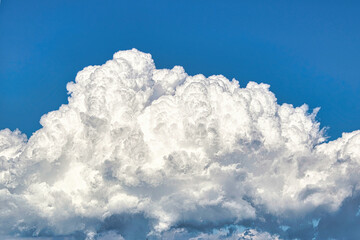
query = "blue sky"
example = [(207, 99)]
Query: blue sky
[(308, 52), (122, 158)]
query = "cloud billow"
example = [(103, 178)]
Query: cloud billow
[(145, 152)]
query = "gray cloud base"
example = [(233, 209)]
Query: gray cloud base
[(172, 152)]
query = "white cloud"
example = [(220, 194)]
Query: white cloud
[(177, 149), (230, 232), (248, 234)]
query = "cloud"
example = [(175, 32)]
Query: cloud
[(146, 151)]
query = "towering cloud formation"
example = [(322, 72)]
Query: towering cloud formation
[(141, 151)]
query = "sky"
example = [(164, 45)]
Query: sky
[(179, 120), (307, 52)]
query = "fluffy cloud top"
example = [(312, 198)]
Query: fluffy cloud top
[(174, 150)]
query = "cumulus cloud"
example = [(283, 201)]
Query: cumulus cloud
[(140, 150)]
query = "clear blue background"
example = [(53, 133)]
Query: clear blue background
[(309, 52)]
